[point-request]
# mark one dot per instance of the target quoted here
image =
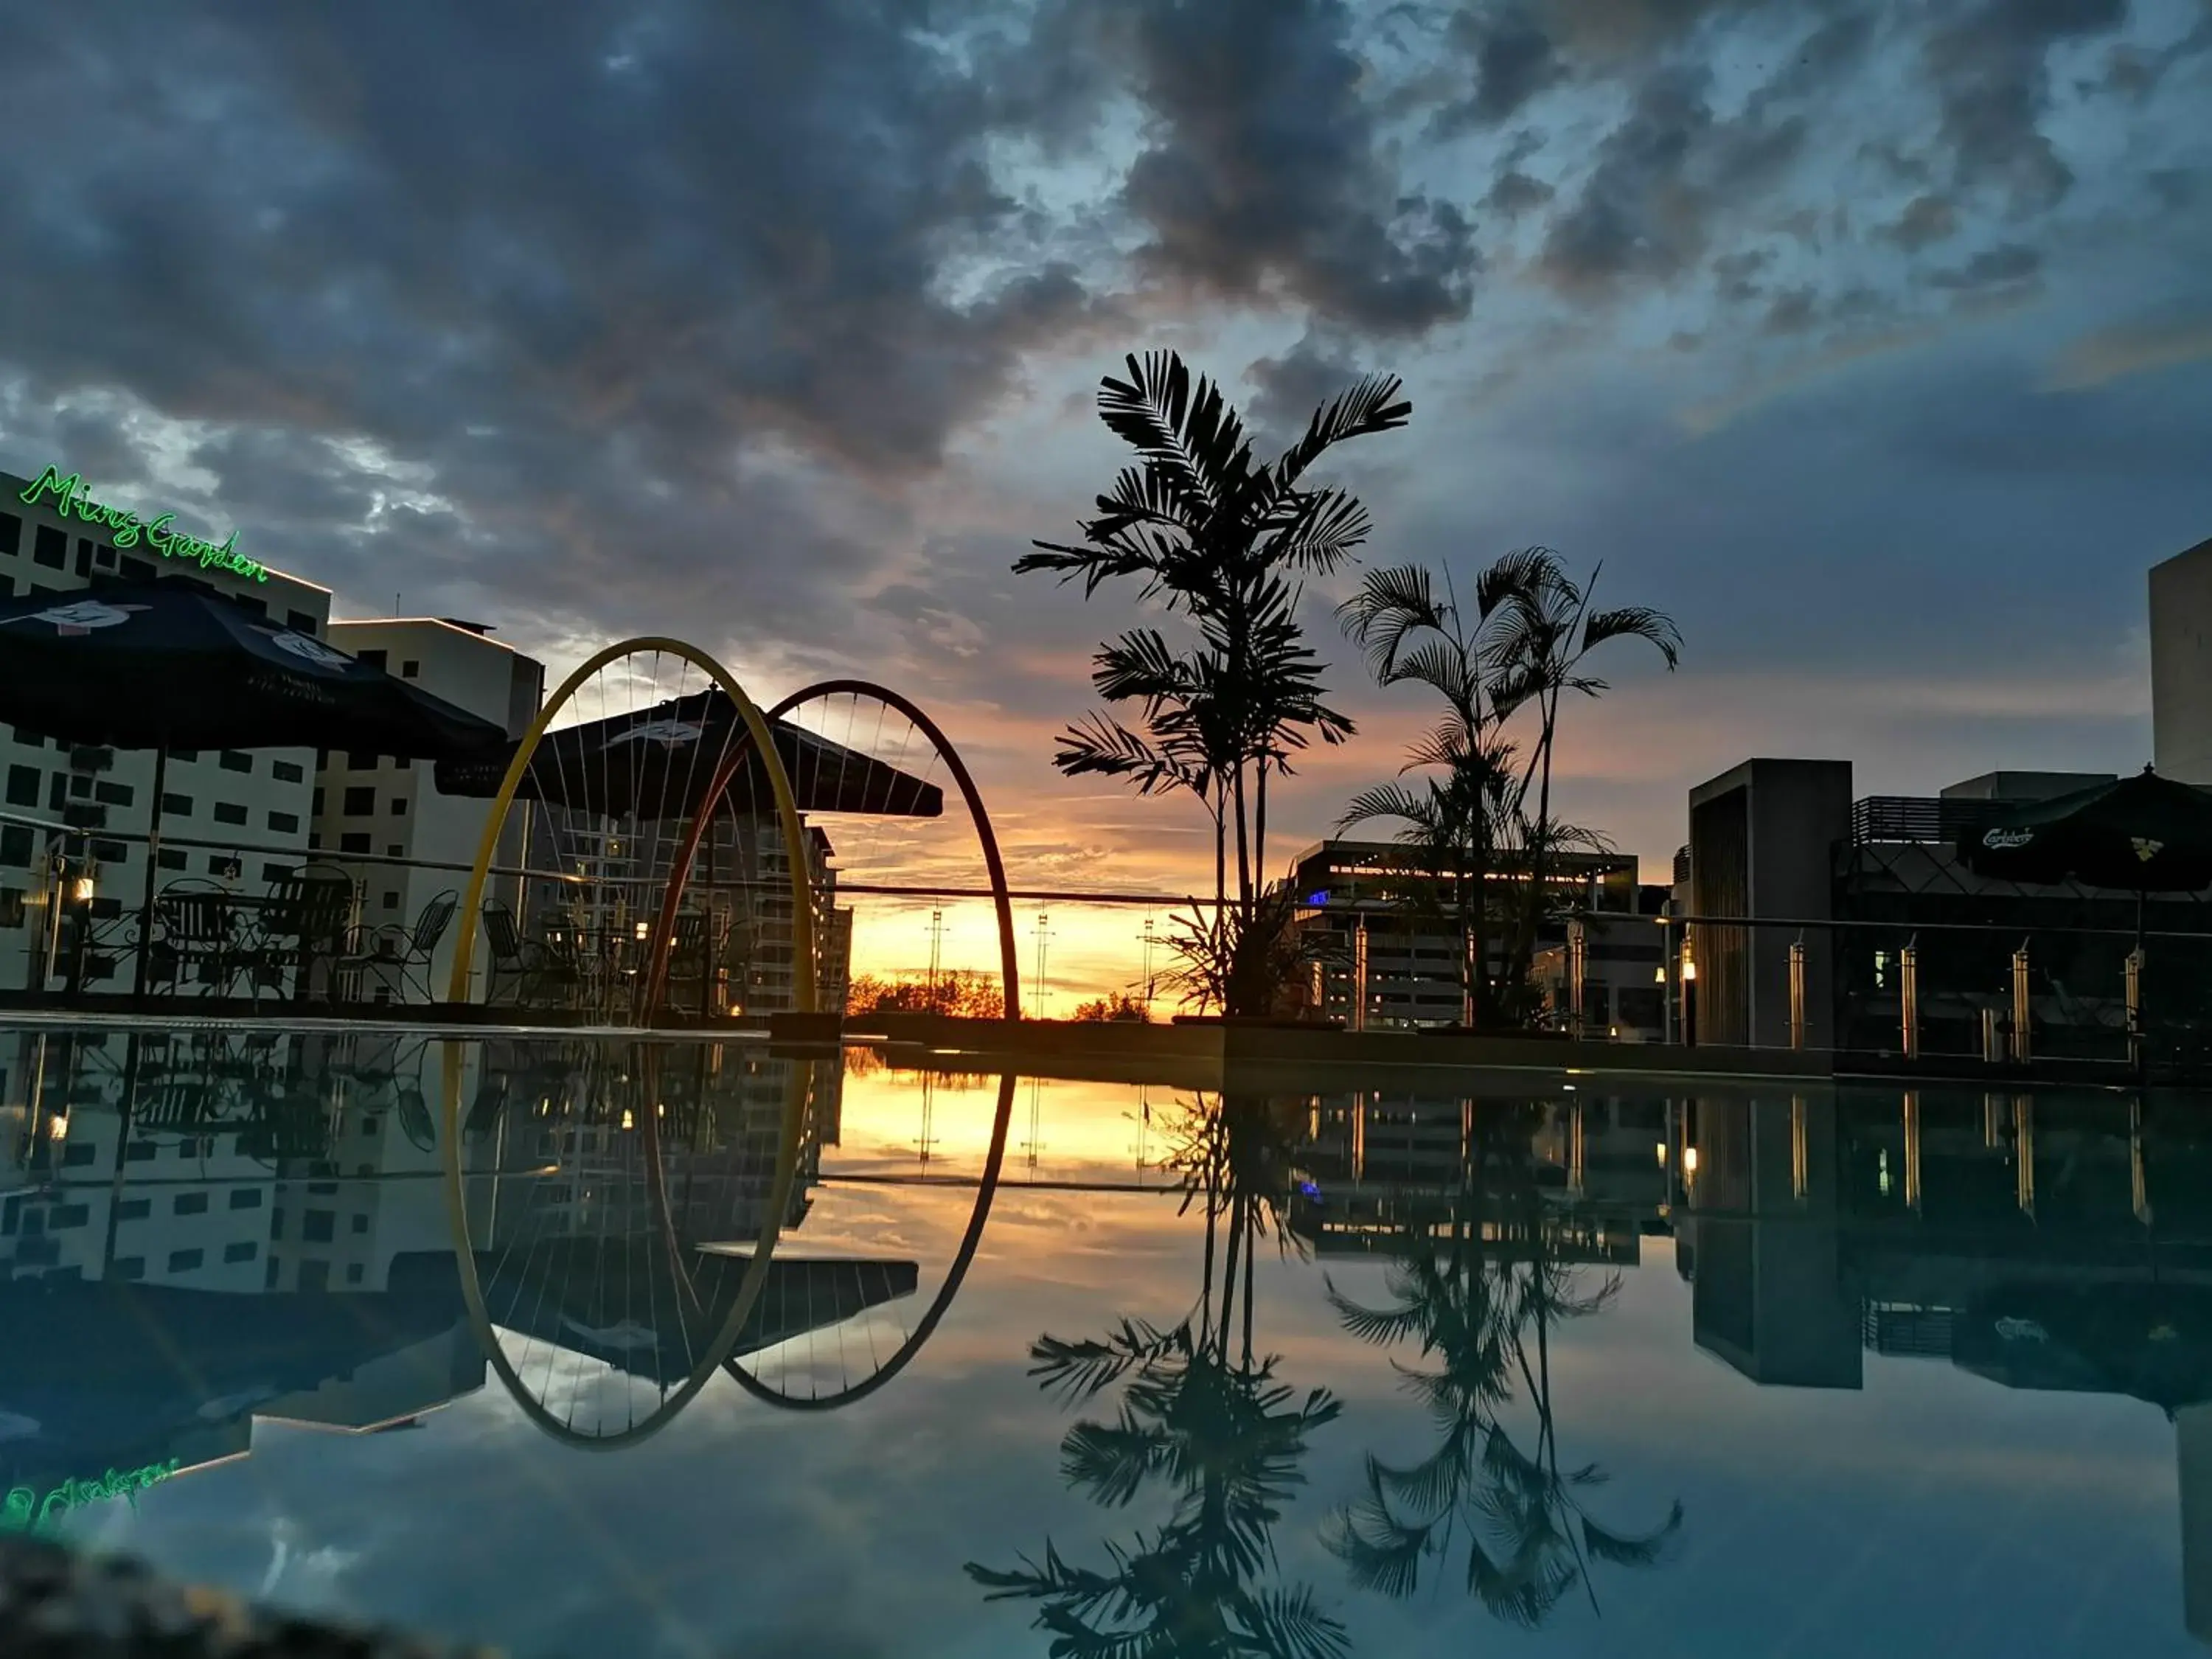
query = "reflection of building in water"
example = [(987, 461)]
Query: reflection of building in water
[(1379, 1165), (2044, 1242), (203, 1230)]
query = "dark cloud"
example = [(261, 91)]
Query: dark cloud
[(1642, 212), (1515, 192), (547, 260), (1738, 273), (2011, 262), (1292, 386), (1267, 180), (1992, 76), (1513, 58), (1927, 219)]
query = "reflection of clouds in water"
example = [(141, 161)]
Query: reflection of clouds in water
[(301, 1576), (15, 1426)]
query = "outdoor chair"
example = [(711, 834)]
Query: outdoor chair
[(404, 955), (304, 920), (196, 927), (523, 964), (690, 957)]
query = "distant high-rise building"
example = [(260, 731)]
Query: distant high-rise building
[(2181, 664)]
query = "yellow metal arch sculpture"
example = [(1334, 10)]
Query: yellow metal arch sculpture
[(797, 1095), (787, 812)]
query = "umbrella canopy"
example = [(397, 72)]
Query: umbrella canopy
[(2142, 835), (659, 762), (171, 665)]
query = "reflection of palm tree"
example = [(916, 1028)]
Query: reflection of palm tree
[(1482, 1309), (1226, 1434)]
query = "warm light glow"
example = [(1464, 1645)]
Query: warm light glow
[(629, 1122), (642, 928), (1661, 1149), (83, 890), (1689, 1160), (1689, 971), (57, 1129), (1659, 974)]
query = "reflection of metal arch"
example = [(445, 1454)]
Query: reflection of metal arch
[(797, 1096), (993, 1162), (680, 874)]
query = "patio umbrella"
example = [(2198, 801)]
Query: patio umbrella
[(2141, 834), (659, 762), (173, 665)]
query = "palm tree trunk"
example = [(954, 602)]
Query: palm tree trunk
[(1260, 822), (1229, 1275), (1243, 848)]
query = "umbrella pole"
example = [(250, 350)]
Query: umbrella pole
[(153, 873)]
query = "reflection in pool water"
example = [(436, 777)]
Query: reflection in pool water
[(958, 1365)]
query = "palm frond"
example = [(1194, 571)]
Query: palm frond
[(1632, 1550), (1635, 621), (1370, 406)]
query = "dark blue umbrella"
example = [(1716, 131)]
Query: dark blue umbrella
[(173, 665)]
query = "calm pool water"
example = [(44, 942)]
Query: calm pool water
[(1395, 1369)]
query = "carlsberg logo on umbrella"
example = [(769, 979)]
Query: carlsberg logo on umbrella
[(72, 500), (2146, 848), (2003, 841)]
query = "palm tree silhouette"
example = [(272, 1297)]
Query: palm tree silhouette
[(1224, 539), (1481, 1310), (1223, 1433)]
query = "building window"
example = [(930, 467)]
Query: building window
[(128, 1267), (410, 670), (275, 871), (50, 548), (84, 555), (11, 533), (289, 771), (314, 1275), (190, 1204), (22, 786), (246, 1198), (357, 842), (184, 755), (235, 760), (114, 794), (374, 658), (315, 803), (136, 570), (229, 812), (392, 901), (284, 823), (58, 794), (171, 858), (79, 1152), (354, 1273), (299, 622), (174, 805), (14, 902), (399, 806), (244, 1250), (360, 802), (29, 738), (319, 1226), (360, 1223), (103, 558), (183, 1262), (139, 1152), (16, 846), (362, 762), (394, 850)]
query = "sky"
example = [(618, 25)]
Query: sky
[(1872, 342)]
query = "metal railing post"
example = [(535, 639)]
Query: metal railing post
[(1577, 973), (1359, 975), (2021, 1021), (1992, 1037), (2134, 979), (1908, 994), (1913, 1150), (1797, 991)]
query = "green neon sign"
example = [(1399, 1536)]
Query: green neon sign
[(72, 501), (24, 1510)]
